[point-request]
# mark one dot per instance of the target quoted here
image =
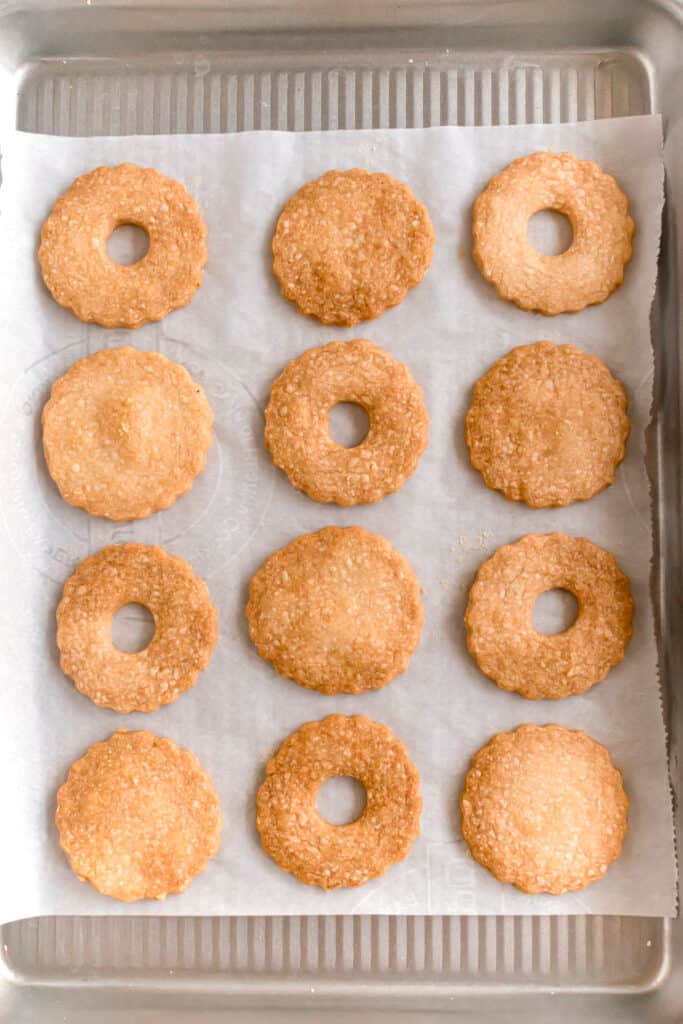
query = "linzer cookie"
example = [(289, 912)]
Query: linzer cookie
[(351, 245), (73, 247), (125, 433)]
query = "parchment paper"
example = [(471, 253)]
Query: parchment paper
[(235, 336)]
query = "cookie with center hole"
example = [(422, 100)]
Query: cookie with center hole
[(598, 211), (78, 270), (185, 627), (517, 657), (297, 423), (301, 841)]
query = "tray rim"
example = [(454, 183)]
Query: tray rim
[(675, 9)]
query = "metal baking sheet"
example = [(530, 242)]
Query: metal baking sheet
[(109, 70)]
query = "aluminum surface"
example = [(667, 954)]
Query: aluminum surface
[(122, 68)]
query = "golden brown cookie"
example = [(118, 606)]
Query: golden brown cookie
[(297, 423), (350, 245), (73, 247), (548, 425), (543, 808), (186, 627), (500, 634), (125, 433), (138, 817), (338, 611), (593, 265), (301, 841)]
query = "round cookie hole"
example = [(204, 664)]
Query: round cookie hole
[(349, 424), (555, 611), (132, 628), (550, 232), (341, 800), (127, 244)]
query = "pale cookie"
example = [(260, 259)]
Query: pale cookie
[(500, 633), (138, 817), (338, 611), (186, 627), (301, 841), (73, 247), (548, 425), (297, 423), (543, 808), (593, 265), (125, 433), (350, 245)]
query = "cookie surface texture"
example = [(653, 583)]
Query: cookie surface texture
[(338, 611), (297, 423), (547, 425), (125, 433), (544, 809), (138, 817), (597, 209), (302, 842), (500, 634), (73, 247), (350, 245), (186, 627)]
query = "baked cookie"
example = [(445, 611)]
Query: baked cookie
[(125, 433), (350, 245), (337, 611), (186, 627), (544, 809), (73, 247), (593, 265), (548, 425), (297, 423), (501, 637), (301, 841), (138, 817)]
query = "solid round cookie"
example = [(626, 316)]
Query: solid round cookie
[(543, 808), (301, 841), (125, 433), (548, 425), (597, 209), (500, 633), (337, 611), (138, 817), (350, 245), (297, 423), (186, 627), (73, 247)]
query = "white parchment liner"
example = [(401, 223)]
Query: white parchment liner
[(235, 337)]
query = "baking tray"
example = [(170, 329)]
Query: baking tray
[(123, 67)]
